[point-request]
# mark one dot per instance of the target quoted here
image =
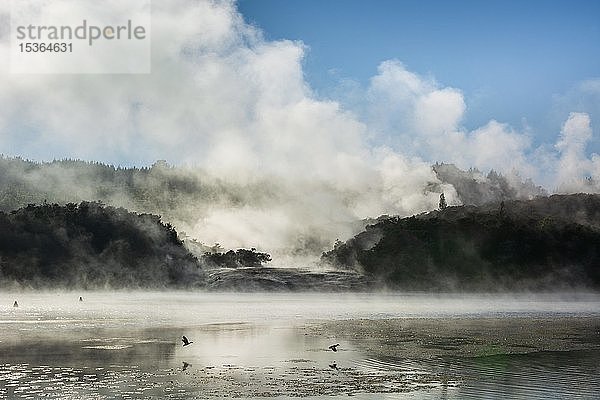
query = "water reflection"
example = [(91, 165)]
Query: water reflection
[(541, 375), (127, 346)]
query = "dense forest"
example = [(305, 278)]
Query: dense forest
[(202, 206), (173, 192), (510, 238), (89, 245), (176, 192), (182, 193), (546, 243)]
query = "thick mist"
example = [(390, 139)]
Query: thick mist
[(272, 165), (296, 220)]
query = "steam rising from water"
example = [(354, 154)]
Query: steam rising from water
[(127, 344), (223, 98)]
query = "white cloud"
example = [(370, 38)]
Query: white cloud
[(573, 165), (439, 111), (575, 134), (583, 97), (497, 146), (401, 102), (222, 97), (425, 117), (402, 178)]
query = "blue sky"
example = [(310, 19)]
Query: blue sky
[(412, 83), (518, 62)]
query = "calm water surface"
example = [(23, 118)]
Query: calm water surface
[(127, 345)]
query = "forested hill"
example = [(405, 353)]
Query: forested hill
[(177, 193), (545, 243), (91, 246)]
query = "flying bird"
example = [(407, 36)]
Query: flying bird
[(16, 304), (185, 341), (334, 366), (334, 347)]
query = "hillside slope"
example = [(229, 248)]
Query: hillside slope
[(546, 243), (91, 246)]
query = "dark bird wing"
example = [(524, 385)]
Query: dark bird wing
[(185, 340)]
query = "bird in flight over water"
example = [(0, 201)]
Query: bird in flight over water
[(185, 341), (334, 347), (334, 366)]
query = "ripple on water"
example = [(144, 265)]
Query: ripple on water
[(301, 368), (109, 347), (537, 375)]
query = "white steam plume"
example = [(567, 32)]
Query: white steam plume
[(223, 98)]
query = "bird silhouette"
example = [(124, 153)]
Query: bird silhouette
[(80, 298), (334, 347), (334, 366), (186, 365), (16, 304), (185, 341)]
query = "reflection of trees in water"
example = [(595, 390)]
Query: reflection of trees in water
[(286, 279)]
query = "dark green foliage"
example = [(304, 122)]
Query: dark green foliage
[(237, 258), (443, 203), (89, 245), (173, 192), (523, 245)]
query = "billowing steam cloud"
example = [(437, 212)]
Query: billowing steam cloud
[(222, 98), (573, 165), (425, 120)]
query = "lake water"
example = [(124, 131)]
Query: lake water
[(127, 345)]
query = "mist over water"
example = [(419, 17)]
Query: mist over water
[(228, 142), (128, 344)]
